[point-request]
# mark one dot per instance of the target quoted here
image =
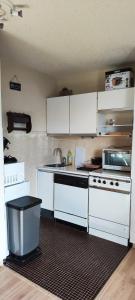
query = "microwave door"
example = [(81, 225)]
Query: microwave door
[(124, 159), (117, 160)]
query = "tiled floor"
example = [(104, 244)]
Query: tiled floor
[(73, 264)]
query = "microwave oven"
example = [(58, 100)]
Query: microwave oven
[(116, 159)]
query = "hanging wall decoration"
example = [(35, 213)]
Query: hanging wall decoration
[(18, 121), (14, 84)]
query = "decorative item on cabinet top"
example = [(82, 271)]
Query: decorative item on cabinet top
[(18, 121), (119, 79), (65, 92)]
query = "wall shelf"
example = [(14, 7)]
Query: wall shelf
[(116, 135), (118, 125), (122, 123)]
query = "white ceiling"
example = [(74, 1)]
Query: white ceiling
[(64, 36)]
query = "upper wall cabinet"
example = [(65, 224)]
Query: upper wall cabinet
[(58, 115), (83, 111), (116, 99)]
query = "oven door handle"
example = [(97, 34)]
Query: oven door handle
[(110, 190)]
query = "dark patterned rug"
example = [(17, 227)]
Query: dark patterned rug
[(73, 264)]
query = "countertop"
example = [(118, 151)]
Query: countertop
[(66, 169), (100, 172)]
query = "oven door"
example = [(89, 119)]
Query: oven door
[(109, 205), (117, 160), (109, 213)]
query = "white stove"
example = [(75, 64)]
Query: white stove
[(109, 205), (114, 180)]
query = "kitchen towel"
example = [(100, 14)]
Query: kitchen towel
[(80, 154)]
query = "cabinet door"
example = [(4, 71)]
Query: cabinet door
[(45, 189), (116, 99), (83, 110), (58, 115)]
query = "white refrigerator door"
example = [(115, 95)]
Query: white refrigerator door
[(17, 190)]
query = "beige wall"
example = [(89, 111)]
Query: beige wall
[(93, 146), (34, 148), (83, 82), (35, 88)]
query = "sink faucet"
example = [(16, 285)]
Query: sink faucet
[(57, 152)]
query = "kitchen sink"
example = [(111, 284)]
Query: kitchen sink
[(55, 165)]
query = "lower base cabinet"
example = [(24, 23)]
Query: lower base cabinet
[(45, 189)]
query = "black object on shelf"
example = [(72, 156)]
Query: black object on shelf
[(18, 121), (6, 143), (96, 161), (9, 159)]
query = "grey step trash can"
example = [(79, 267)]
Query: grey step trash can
[(23, 221)]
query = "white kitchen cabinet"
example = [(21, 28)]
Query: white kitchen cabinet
[(58, 115), (116, 99), (45, 189), (83, 113)]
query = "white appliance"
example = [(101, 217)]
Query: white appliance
[(17, 190), (109, 205), (14, 180), (116, 159), (71, 198), (13, 173)]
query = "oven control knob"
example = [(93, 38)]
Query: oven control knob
[(104, 181), (111, 183), (99, 181), (94, 180), (117, 184)]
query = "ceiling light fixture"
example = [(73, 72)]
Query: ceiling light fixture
[(7, 7)]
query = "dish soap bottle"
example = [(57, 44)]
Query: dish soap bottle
[(69, 157)]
